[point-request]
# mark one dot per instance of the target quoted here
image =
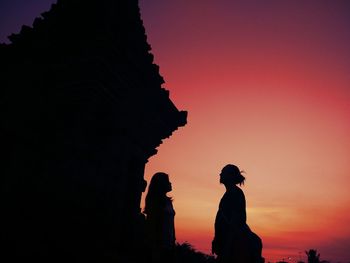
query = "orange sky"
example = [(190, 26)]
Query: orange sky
[(266, 85), (267, 88)]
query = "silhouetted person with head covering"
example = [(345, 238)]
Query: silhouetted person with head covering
[(160, 219), (234, 242)]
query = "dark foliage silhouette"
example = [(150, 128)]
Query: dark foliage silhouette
[(185, 253), (234, 241), (312, 256)]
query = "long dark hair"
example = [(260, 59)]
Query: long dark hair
[(156, 197)]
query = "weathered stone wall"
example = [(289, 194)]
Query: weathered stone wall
[(82, 111)]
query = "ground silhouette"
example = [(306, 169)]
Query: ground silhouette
[(186, 253)]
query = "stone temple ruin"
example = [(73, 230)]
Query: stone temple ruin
[(82, 110)]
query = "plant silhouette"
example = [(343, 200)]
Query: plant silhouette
[(312, 256)]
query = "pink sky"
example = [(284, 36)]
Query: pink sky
[(267, 88)]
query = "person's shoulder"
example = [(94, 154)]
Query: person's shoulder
[(237, 191)]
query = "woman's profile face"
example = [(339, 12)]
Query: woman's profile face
[(164, 184), (168, 186), (222, 176)]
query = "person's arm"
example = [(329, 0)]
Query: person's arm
[(221, 226)]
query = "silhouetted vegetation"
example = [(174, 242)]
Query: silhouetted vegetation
[(312, 256), (185, 253)]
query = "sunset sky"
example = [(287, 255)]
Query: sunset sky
[(267, 87)]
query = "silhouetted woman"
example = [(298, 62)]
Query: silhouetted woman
[(160, 219), (233, 241)]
